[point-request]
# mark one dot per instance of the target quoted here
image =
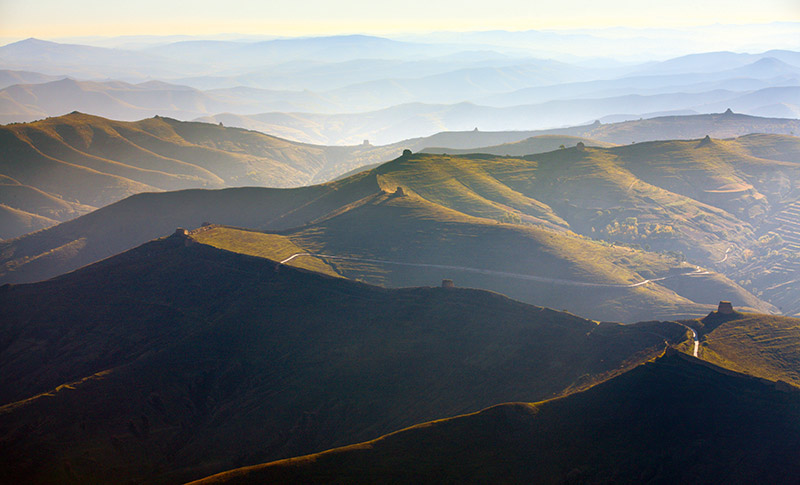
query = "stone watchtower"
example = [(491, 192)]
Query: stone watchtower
[(725, 308), (448, 284)]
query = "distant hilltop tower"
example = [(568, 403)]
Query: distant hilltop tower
[(448, 284), (725, 308), (182, 234), (581, 146)]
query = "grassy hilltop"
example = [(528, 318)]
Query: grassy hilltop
[(766, 346)]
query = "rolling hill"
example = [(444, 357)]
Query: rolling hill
[(137, 219), (176, 360), (60, 168), (14, 222), (10, 78), (405, 241), (450, 217), (711, 201), (86, 162), (81, 162), (528, 146), (674, 420)]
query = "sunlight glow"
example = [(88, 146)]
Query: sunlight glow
[(55, 18)]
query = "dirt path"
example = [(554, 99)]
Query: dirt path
[(727, 252), (696, 351)]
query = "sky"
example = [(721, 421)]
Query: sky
[(49, 19)]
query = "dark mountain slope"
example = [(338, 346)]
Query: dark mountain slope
[(176, 360), (674, 420), (135, 220)]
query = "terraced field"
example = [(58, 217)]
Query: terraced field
[(784, 293), (789, 229)]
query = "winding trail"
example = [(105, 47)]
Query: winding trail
[(696, 351), (541, 279), (295, 256), (727, 252)]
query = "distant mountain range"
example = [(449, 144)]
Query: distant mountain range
[(303, 116), (341, 90), (417, 120)]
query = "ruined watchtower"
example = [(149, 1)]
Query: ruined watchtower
[(448, 284), (725, 308)]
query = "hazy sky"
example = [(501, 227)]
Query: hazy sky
[(59, 18)]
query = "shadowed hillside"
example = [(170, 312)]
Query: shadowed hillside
[(142, 217), (669, 421), (176, 360)]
